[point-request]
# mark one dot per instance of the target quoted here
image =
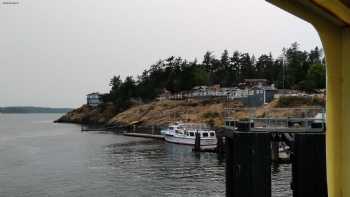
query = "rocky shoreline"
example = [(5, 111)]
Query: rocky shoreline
[(161, 113), (157, 113), (89, 115)]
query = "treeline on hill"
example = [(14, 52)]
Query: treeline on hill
[(294, 69)]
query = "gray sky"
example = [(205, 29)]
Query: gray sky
[(54, 52)]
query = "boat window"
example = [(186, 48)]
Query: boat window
[(212, 134), (191, 134), (179, 132), (205, 134)]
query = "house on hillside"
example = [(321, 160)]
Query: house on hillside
[(269, 93), (255, 83), (94, 99), (253, 97), (214, 90), (166, 94), (198, 91)]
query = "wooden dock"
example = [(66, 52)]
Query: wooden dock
[(144, 135), (87, 128)]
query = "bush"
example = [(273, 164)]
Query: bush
[(293, 101), (211, 123), (208, 115)]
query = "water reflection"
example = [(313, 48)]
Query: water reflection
[(281, 179), (176, 170), (161, 168), (40, 159)]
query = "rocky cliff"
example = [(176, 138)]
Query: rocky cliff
[(90, 115)]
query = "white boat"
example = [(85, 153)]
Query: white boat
[(185, 133)]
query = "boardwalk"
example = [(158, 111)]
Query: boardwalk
[(144, 135)]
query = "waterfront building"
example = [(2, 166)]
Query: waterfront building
[(164, 95), (255, 82), (93, 99), (252, 96)]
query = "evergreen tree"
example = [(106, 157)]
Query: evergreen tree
[(207, 60), (297, 65), (265, 68), (247, 67), (235, 67), (294, 69)]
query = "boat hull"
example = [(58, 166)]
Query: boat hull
[(205, 142)]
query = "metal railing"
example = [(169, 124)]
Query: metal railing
[(311, 119)]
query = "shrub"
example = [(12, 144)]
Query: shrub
[(208, 115), (292, 101)]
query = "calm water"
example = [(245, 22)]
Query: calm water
[(39, 158)]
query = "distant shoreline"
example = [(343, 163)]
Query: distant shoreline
[(32, 110)]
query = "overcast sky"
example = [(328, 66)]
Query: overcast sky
[(52, 53)]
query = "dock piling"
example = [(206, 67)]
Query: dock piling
[(197, 143), (220, 148), (309, 165), (275, 151), (248, 164)]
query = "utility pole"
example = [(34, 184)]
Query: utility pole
[(283, 68), (283, 73)]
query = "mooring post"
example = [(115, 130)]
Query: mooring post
[(309, 165), (220, 144), (248, 167), (197, 142), (275, 151)]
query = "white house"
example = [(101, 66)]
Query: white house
[(94, 99)]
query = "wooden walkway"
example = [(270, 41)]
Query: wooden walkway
[(144, 135)]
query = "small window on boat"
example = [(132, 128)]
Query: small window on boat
[(205, 134), (191, 134), (179, 132), (212, 134)]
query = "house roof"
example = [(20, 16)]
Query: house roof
[(255, 80), (199, 87), (93, 93)]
